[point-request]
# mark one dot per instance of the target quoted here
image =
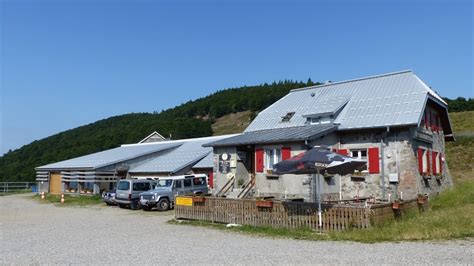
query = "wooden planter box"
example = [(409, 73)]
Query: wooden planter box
[(397, 205), (264, 204), (422, 199), (199, 199)]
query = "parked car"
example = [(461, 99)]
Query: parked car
[(109, 197), (162, 196), (128, 192)]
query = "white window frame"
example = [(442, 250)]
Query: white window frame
[(359, 153), (424, 160), (272, 156), (320, 120), (438, 163)]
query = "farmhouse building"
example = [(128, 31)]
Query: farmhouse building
[(394, 121), (152, 157)]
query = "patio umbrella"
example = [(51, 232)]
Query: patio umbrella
[(315, 161)]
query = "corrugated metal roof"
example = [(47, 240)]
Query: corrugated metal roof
[(189, 153), (309, 132), (386, 100), (112, 156), (206, 162)]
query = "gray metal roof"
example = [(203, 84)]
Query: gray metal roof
[(378, 101), (189, 153), (206, 162), (112, 156), (290, 134)]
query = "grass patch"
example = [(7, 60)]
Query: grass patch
[(70, 200), (451, 216), (18, 191)]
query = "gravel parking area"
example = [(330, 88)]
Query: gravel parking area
[(41, 233)]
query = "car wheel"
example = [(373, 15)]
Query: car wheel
[(136, 205), (163, 204)]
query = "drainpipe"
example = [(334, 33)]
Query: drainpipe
[(383, 161)]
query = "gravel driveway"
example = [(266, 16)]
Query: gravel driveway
[(41, 233)]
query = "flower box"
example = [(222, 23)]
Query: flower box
[(422, 199), (264, 204), (199, 199), (396, 205)]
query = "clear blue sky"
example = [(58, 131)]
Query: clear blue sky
[(70, 63)]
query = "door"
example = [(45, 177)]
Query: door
[(55, 183)]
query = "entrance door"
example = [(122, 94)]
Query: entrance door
[(55, 183)]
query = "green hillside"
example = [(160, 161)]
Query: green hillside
[(191, 119), (206, 116)]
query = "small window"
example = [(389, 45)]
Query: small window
[(361, 154), (123, 185), (320, 120), (287, 117), (178, 184), (141, 186), (199, 181), (187, 182), (272, 157), (325, 120)]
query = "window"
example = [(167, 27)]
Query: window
[(123, 185), (287, 117), (141, 186), (199, 181), (178, 184), (71, 186), (272, 156), (320, 120), (315, 121), (187, 182), (360, 154), (163, 183), (87, 187), (325, 120)]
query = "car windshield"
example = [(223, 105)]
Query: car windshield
[(164, 183), (123, 185)]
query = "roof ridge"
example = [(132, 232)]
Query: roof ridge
[(352, 80)]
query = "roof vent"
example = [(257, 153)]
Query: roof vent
[(287, 117), (327, 82), (313, 94)]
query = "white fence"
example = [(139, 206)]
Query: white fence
[(17, 187)]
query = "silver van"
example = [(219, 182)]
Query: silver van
[(128, 191), (166, 188)]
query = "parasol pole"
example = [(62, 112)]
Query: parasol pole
[(319, 200)]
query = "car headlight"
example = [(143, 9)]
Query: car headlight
[(141, 197), (156, 195)]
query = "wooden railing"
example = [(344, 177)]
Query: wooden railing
[(248, 186), (226, 187), (278, 214)]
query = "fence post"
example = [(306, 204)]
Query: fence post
[(7, 189)]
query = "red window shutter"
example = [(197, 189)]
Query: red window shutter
[(259, 160), (344, 152), (428, 157), (211, 179), (420, 160), (434, 161), (285, 153), (374, 166), (440, 158)]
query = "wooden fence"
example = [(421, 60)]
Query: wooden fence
[(282, 214)]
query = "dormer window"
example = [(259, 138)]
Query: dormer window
[(287, 117), (320, 120)]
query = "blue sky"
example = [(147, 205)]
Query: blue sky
[(69, 63)]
